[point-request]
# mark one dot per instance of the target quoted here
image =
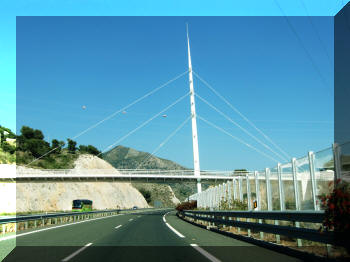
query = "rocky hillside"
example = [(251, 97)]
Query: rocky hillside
[(128, 158), (44, 196)]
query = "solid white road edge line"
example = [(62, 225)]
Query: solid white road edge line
[(175, 231), (49, 228), (76, 252), (118, 226), (205, 253)]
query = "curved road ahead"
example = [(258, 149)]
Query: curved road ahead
[(147, 236)]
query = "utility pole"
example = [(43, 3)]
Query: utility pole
[(194, 122)]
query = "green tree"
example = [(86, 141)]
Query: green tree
[(71, 146), (8, 148), (83, 149), (93, 150), (37, 147), (27, 132), (89, 149), (2, 137), (146, 194), (57, 145)]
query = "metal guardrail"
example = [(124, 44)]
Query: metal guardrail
[(231, 218), (70, 217)]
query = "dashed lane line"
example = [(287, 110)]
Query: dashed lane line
[(76, 252), (118, 226), (205, 253)]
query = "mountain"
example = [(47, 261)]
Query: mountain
[(128, 158), (122, 157)]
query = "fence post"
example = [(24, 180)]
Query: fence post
[(257, 190), (229, 185), (313, 179), (296, 194), (268, 189), (337, 162), (240, 189), (234, 189), (295, 183), (281, 195), (280, 187), (249, 199)]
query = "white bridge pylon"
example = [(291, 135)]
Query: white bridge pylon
[(194, 121)]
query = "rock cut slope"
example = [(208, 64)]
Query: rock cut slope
[(56, 196)]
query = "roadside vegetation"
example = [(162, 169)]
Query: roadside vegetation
[(7, 146), (31, 148)]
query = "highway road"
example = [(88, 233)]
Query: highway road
[(147, 236)]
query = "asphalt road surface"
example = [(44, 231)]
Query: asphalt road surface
[(147, 236)]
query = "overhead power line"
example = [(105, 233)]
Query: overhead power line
[(294, 31), (243, 116)]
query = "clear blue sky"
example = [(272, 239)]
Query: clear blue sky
[(257, 63)]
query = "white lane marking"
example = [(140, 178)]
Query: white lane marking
[(76, 252), (118, 226), (205, 253), (130, 219), (175, 231), (44, 229)]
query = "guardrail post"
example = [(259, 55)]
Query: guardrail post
[(26, 225), (35, 225), (296, 194), (3, 229), (313, 179)]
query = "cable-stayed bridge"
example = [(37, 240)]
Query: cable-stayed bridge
[(299, 179)]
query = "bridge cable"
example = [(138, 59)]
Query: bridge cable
[(164, 142), (238, 112), (242, 128), (115, 113), (144, 123), (238, 139)]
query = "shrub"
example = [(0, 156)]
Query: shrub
[(188, 205), (337, 212), (8, 148), (146, 194)]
